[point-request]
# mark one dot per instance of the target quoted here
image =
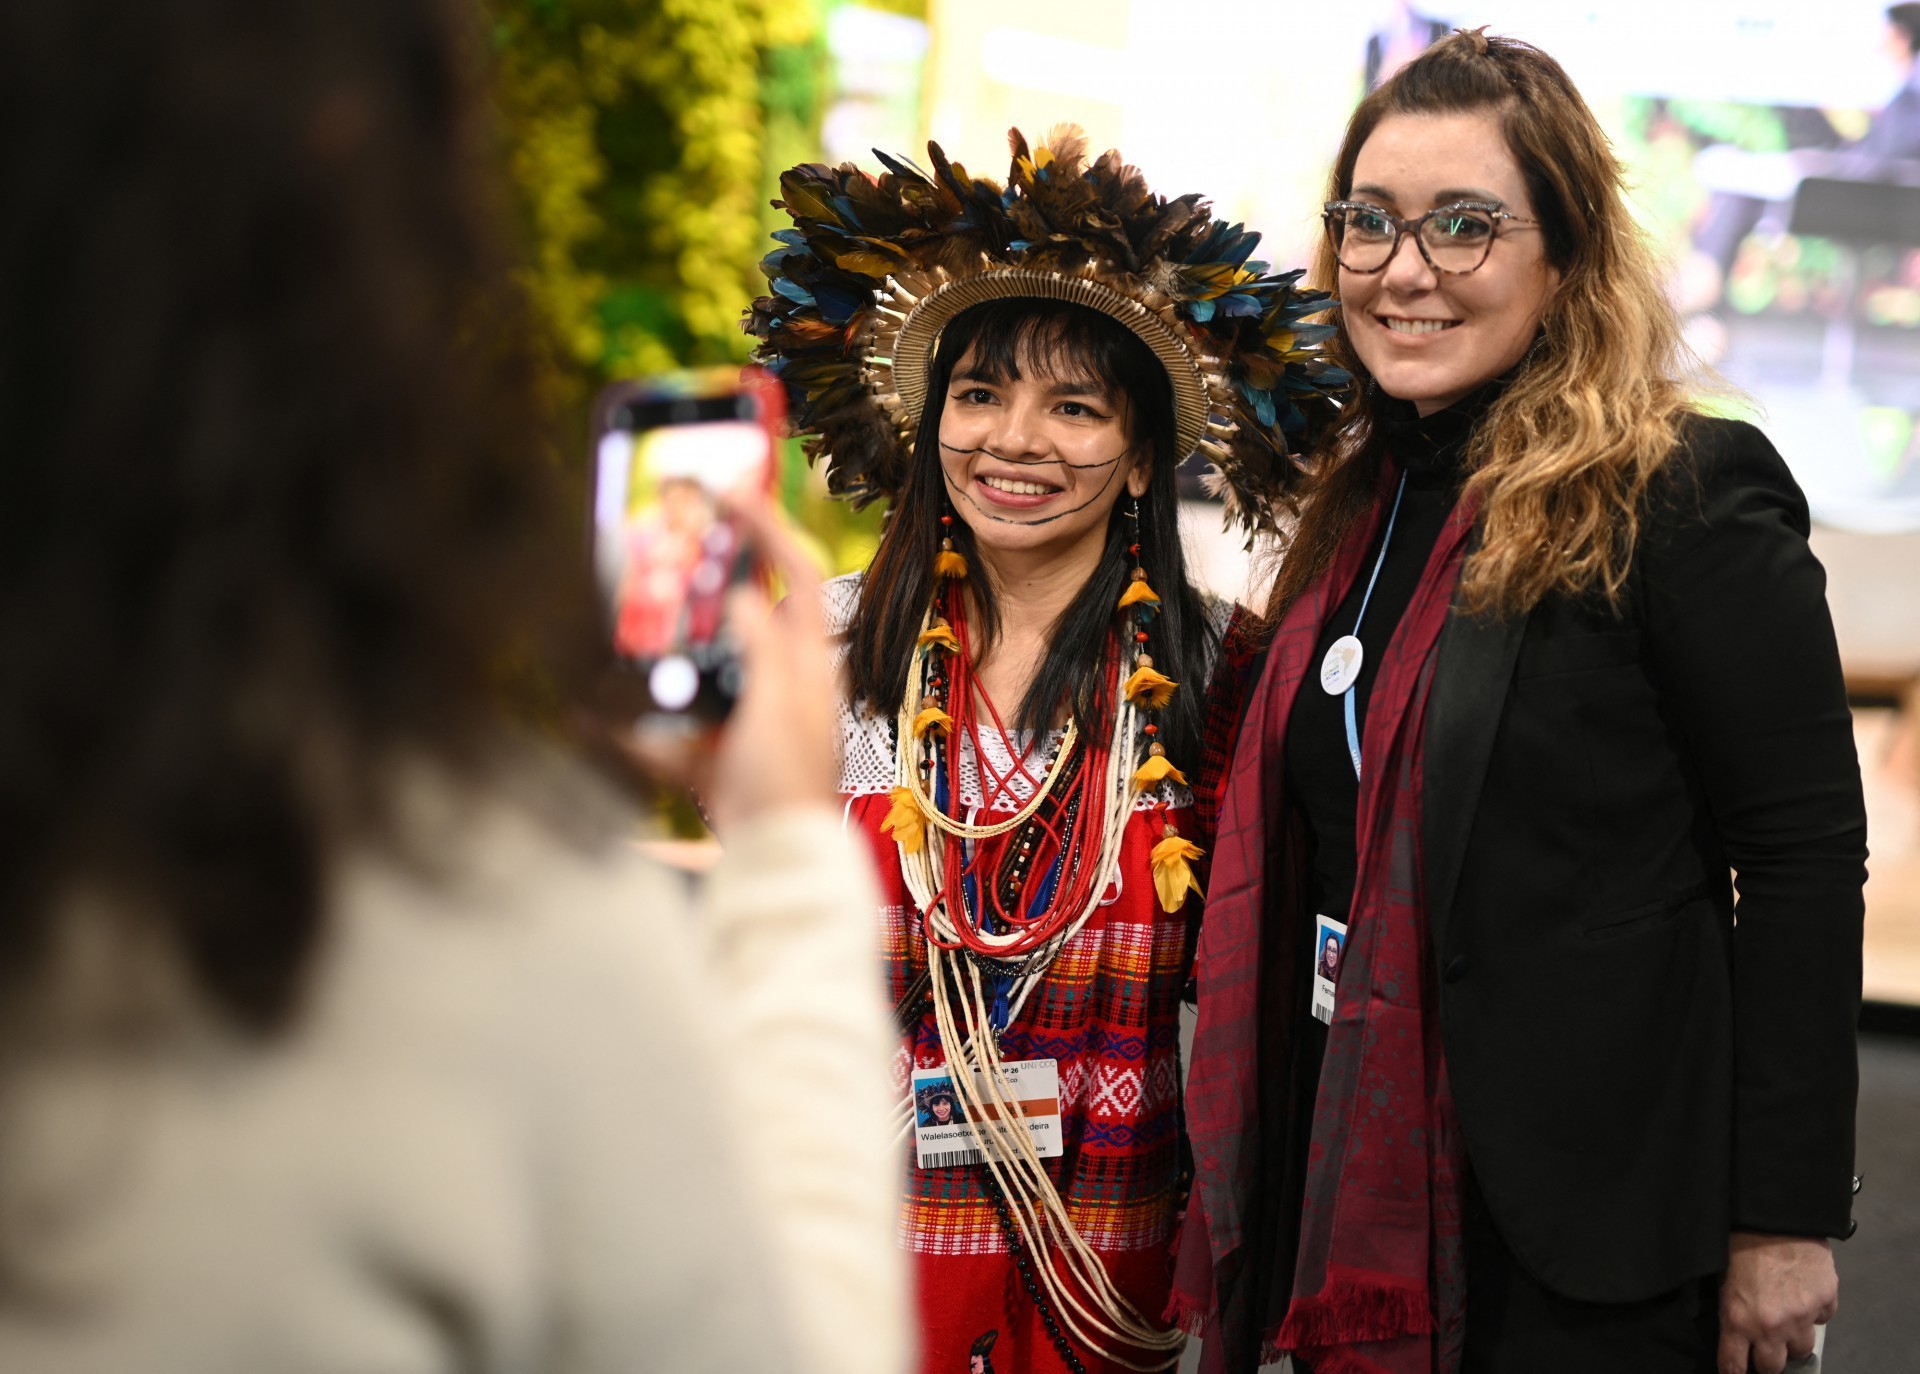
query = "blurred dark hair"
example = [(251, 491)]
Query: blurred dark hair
[(1052, 337), (273, 512), (1906, 18)]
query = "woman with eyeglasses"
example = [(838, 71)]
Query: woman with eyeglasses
[(1549, 673)]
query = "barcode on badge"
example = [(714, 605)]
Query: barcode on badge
[(943, 1137)]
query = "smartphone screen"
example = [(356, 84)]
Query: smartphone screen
[(665, 553)]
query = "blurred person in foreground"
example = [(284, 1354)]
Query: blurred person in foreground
[(340, 1028), (1565, 1112)]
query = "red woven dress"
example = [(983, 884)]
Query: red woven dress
[(1107, 1011)]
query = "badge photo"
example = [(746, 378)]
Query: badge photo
[(1329, 952)]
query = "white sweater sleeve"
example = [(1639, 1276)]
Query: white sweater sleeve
[(723, 1188), (790, 918)]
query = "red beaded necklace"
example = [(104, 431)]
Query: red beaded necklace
[(999, 885)]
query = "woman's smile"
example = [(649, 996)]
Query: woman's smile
[(1410, 329), (1021, 493)]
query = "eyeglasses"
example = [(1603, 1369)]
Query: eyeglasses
[(1455, 238)]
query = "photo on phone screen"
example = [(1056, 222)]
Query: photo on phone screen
[(665, 552)]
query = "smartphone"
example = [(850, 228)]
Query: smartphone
[(665, 553)]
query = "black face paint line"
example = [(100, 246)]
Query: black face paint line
[(1030, 462), (986, 514)]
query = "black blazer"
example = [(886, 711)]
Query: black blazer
[(1636, 1072)]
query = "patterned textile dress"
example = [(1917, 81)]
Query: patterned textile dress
[(1107, 1011)]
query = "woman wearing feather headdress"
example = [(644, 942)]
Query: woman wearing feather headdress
[(1018, 372)]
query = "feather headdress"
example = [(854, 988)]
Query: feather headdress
[(875, 267)]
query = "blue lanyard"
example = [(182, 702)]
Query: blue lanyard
[(1353, 730)]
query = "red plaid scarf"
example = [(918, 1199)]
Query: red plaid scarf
[(1379, 1280)]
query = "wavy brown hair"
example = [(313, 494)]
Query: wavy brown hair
[(1562, 463)]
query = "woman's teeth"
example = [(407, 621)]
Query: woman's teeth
[(1013, 488), (1417, 326)]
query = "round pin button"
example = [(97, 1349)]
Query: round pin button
[(1340, 669)]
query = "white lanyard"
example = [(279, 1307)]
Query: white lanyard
[(1340, 669)]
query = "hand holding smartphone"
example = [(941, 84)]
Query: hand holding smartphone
[(674, 457), (685, 535), (780, 749)]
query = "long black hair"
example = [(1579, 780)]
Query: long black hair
[(1052, 337), (273, 505)]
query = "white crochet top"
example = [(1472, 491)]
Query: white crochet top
[(867, 743)]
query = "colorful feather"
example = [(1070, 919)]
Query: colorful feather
[(939, 635), (1149, 687), (1156, 770), (1137, 593), (1172, 863), (932, 718), (905, 821)]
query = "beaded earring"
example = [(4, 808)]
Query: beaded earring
[(949, 562), (1147, 688)]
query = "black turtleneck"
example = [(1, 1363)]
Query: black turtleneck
[(1319, 773), (1320, 778)]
